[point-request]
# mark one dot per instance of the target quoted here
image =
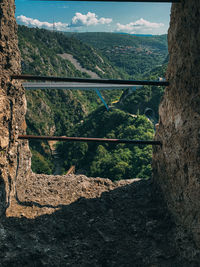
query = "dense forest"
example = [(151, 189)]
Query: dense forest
[(135, 55), (42, 49), (110, 160), (80, 113), (125, 120)]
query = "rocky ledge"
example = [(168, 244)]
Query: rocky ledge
[(80, 221)]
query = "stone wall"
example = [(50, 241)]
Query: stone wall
[(176, 166), (14, 155)]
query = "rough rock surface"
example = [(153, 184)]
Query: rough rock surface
[(91, 222), (176, 165), (40, 194), (12, 109)]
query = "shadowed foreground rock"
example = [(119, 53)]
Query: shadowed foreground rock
[(176, 166), (93, 222)]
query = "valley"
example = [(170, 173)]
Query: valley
[(80, 113), (133, 54)]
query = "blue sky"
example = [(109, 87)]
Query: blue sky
[(134, 18)]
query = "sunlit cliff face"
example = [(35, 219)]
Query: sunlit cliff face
[(14, 155)]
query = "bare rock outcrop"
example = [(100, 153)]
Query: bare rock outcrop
[(89, 222), (176, 165), (41, 194), (14, 154)]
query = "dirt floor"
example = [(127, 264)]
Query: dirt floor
[(80, 221)]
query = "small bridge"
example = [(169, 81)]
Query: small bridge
[(77, 86)]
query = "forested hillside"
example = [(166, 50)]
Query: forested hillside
[(42, 52), (136, 102), (136, 55), (79, 113), (110, 160), (54, 112), (125, 120)]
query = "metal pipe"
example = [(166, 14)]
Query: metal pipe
[(148, 1), (85, 139), (83, 80)]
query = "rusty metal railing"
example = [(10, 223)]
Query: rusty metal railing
[(86, 139)]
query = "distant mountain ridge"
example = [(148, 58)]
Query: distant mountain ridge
[(134, 54), (134, 34)]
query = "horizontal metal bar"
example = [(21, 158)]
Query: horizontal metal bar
[(84, 139), (83, 80), (148, 1)]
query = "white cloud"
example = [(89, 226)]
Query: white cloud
[(140, 24), (40, 24), (88, 20)]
